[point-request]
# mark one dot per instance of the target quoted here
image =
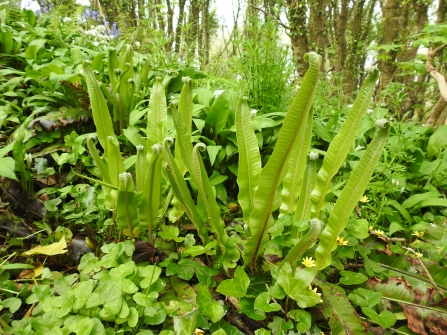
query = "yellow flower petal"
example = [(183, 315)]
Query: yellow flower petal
[(308, 262), (364, 199)]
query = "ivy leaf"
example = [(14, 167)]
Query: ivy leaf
[(385, 319), (263, 331), (150, 274), (204, 274), (280, 326), (7, 167), (365, 298), (184, 268), (296, 285), (228, 328), (262, 302), (184, 325), (207, 304), (247, 306), (303, 319), (170, 233), (352, 278), (219, 332), (236, 287), (358, 228)]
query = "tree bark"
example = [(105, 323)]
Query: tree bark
[(341, 36), (317, 34), (391, 26), (170, 19), (296, 14), (178, 29)]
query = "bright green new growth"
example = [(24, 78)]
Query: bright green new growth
[(291, 185), (351, 194), (100, 112), (307, 185), (316, 226), (341, 144), (271, 175), (157, 114), (249, 167)]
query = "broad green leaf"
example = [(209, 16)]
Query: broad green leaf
[(126, 209), (115, 162), (262, 303), (156, 115), (149, 274), (305, 243), (108, 294), (401, 210), (303, 319), (219, 332), (274, 171), (296, 285), (247, 307), (81, 325), (432, 202), (358, 228), (151, 197), (7, 167), (12, 303), (184, 325), (385, 319), (184, 268), (349, 197), (181, 190), (230, 252), (263, 331), (352, 278), (170, 233), (207, 304), (341, 144), (343, 319), (236, 287), (365, 298), (417, 198), (249, 158), (280, 325), (297, 167), (100, 112), (437, 142)]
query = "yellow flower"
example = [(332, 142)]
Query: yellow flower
[(308, 262), (371, 228), (364, 199), (379, 232), (418, 233), (419, 254), (341, 241), (315, 290)]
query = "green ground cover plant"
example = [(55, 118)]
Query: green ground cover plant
[(137, 200)]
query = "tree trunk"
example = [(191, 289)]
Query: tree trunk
[(435, 112), (341, 36), (391, 26), (296, 14), (178, 29), (206, 31), (317, 36), (170, 19), (194, 17)]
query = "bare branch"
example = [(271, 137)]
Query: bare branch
[(268, 14), (442, 84)]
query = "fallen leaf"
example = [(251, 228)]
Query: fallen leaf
[(49, 250)]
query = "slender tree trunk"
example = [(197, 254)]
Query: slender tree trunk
[(170, 19), (160, 16), (206, 30), (296, 14), (317, 34), (442, 9), (194, 17), (391, 27), (178, 30), (341, 36)]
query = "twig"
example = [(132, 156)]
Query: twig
[(425, 269), (268, 14)]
